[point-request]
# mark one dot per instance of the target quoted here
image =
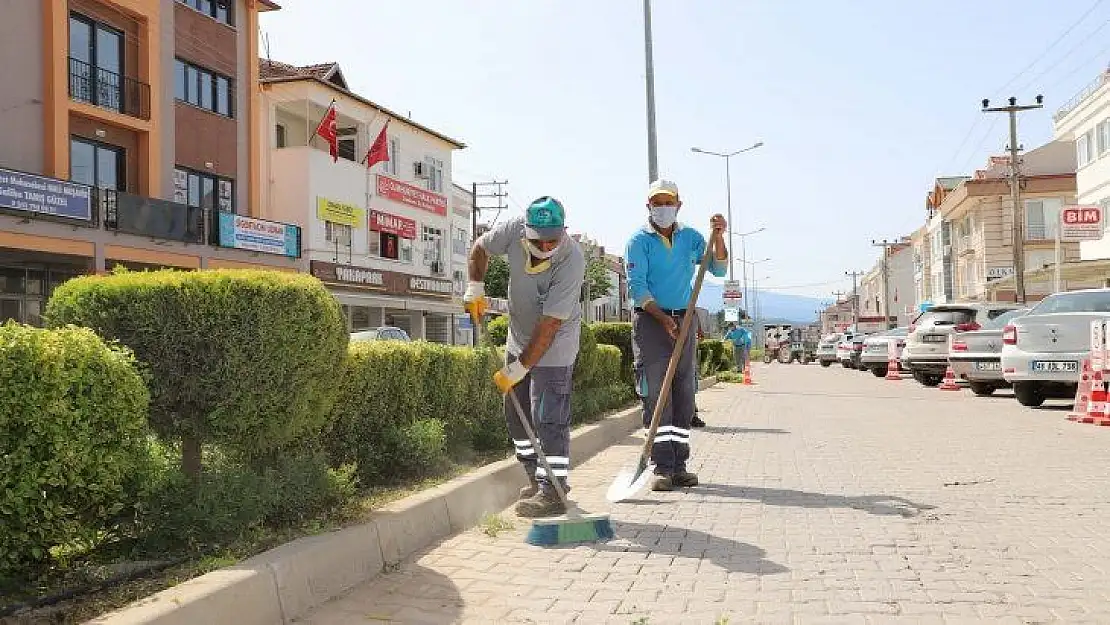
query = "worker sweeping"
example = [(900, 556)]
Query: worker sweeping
[(741, 340), (662, 258), (546, 271)]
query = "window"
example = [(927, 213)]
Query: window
[(433, 253), (459, 243), (1103, 137), (1042, 218), (389, 246), (220, 10), (394, 155), (203, 190), (96, 164), (1084, 151), (434, 173), (204, 89), (338, 234), (347, 141), (280, 136), (1077, 301), (95, 62)]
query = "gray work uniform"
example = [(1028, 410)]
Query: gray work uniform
[(651, 349), (550, 289)]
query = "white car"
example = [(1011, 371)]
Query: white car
[(876, 350), (1042, 352), (826, 349), (926, 351)]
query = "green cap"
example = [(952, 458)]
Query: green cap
[(545, 219)]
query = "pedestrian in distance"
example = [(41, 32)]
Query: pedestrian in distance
[(741, 340), (546, 271), (662, 258)]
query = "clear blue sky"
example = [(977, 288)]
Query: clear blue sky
[(860, 103)]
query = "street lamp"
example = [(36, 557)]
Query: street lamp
[(728, 185), (743, 254)]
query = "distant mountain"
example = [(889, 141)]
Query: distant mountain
[(793, 308)]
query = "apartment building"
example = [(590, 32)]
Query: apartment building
[(380, 237), (890, 281), (920, 246), (462, 211), (128, 129), (1084, 121)]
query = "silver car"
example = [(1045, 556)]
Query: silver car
[(826, 349), (384, 333), (976, 356), (1042, 351), (876, 350), (926, 353)]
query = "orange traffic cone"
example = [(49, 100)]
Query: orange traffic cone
[(748, 374), (1082, 393), (949, 383), (892, 371), (1096, 408)]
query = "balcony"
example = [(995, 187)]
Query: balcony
[(151, 217), (108, 90)]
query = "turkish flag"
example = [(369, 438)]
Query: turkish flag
[(379, 152), (328, 130)]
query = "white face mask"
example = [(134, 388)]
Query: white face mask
[(538, 253), (664, 216)]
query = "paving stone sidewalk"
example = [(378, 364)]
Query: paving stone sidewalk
[(827, 496)]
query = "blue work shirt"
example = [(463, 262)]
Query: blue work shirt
[(661, 271), (740, 337)]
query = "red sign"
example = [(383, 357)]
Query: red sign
[(1081, 223), (392, 224), (413, 196)]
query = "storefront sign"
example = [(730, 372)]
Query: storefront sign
[(389, 282), (259, 235), (339, 213), (45, 196), (413, 196), (997, 273), (392, 224)]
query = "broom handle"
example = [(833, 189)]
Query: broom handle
[(539, 449), (676, 355)]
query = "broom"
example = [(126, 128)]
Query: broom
[(573, 527), (628, 483)]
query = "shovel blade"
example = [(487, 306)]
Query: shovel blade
[(627, 484)]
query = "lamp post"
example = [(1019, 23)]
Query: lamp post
[(728, 185), (743, 255), (755, 284)]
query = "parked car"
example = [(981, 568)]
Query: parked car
[(854, 361), (844, 349), (384, 333), (976, 356), (876, 350), (1042, 350), (826, 349), (926, 351)]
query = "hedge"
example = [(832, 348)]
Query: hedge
[(619, 334), (249, 359), (715, 355), (75, 448)]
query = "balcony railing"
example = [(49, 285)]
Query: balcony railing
[(145, 216), (108, 90)]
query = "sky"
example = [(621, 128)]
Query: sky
[(860, 104)]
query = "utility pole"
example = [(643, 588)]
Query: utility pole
[(499, 194), (653, 160), (1015, 188), (886, 245), (855, 297)]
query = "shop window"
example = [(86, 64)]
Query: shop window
[(203, 190), (389, 246), (360, 318), (338, 234)]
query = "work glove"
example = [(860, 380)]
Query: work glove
[(474, 300), (509, 376)]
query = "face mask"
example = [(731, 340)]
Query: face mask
[(538, 253), (664, 216)]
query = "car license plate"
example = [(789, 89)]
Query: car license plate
[(934, 338), (1055, 366), (988, 366)]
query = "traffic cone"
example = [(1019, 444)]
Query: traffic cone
[(949, 383), (1082, 393), (892, 370), (748, 374), (1096, 408)]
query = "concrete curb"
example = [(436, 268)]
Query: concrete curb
[(284, 583)]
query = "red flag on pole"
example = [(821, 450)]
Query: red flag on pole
[(329, 131), (379, 151)]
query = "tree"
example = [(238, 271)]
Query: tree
[(597, 278), (497, 277)]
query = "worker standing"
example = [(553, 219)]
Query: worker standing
[(662, 259), (741, 340), (546, 271)]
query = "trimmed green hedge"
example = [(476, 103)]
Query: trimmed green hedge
[(715, 355), (249, 359), (619, 334), (75, 447)]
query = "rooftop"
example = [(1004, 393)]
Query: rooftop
[(1082, 96)]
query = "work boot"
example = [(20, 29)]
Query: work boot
[(697, 422), (662, 483), (684, 479), (529, 491), (544, 503)]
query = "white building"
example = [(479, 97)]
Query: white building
[(1085, 120), (381, 238), (462, 209)]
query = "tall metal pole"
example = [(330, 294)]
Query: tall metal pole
[(855, 297), (653, 160), (1015, 190), (728, 203)]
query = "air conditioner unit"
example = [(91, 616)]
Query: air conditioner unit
[(420, 169)]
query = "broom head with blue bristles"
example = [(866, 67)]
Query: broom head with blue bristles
[(566, 530)]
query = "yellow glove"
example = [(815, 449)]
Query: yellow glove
[(474, 301), (509, 376)]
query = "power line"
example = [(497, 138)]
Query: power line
[(1060, 60)]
